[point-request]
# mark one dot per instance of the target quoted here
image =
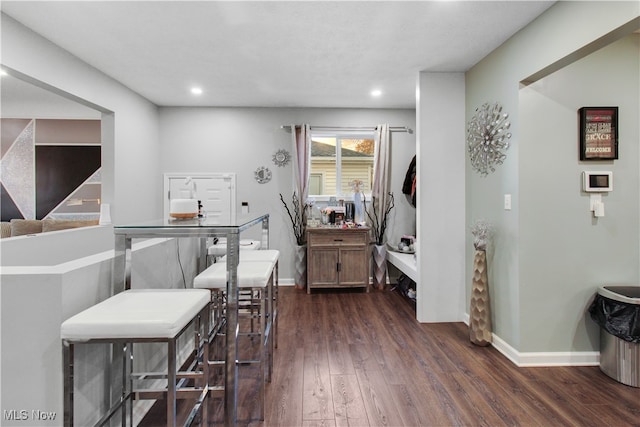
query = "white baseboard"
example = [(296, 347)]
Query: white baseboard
[(539, 359)]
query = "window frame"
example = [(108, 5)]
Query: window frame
[(341, 193)]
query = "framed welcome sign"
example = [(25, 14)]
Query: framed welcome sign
[(598, 133)]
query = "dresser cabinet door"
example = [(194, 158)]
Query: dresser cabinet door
[(353, 267), (323, 263)]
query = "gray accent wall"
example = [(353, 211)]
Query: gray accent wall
[(566, 253), (550, 254)]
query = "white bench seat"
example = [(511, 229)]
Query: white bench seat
[(137, 313)]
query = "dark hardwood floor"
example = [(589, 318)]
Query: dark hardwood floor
[(356, 359)]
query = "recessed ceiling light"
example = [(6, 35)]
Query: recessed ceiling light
[(196, 90), (376, 93), (3, 73)]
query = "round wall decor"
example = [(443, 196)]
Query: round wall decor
[(281, 158), (262, 175), (488, 138)]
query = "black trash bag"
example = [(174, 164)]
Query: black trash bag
[(618, 318)]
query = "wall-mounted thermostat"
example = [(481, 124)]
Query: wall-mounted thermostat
[(597, 181)]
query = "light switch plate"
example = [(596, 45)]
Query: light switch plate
[(507, 202)]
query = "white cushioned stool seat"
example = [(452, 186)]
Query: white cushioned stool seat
[(250, 275), (137, 313)]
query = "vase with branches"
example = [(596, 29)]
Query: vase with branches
[(378, 223), (298, 216)]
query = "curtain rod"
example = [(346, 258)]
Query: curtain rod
[(353, 128)]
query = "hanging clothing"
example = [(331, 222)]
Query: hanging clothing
[(409, 185), (413, 192)]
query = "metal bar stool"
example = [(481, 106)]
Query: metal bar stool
[(272, 256), (137, 316), (255, 285)]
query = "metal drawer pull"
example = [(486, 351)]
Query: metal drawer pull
[(337, 240)]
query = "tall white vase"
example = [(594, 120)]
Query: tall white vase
[(300, 257), (379, 266)]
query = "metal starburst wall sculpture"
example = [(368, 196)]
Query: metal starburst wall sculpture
[(488, 137)]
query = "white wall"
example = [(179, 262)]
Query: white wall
[(45, 248), (521, 285), (242, 139), (441, 204)]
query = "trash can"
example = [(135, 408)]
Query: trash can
[(616, 309)]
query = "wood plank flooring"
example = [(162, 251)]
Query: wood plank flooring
[(347, 358)]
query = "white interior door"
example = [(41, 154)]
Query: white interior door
[(216, 192)]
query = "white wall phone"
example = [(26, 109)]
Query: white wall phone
[(216, 191)]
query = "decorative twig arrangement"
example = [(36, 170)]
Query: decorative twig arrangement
[(482, 232), (379, 225), (298, 218)]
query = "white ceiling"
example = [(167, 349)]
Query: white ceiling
[(276, 53)]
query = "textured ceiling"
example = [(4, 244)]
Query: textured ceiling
[(275, 53)]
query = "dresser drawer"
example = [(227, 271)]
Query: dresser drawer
[(338, 238)]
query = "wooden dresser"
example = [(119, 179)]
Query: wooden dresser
[(338, 258)]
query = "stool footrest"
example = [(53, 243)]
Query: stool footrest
[(183, 393), (163, 376), (213, 391)]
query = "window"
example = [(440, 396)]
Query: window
[(339, 159), (315, 183)]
